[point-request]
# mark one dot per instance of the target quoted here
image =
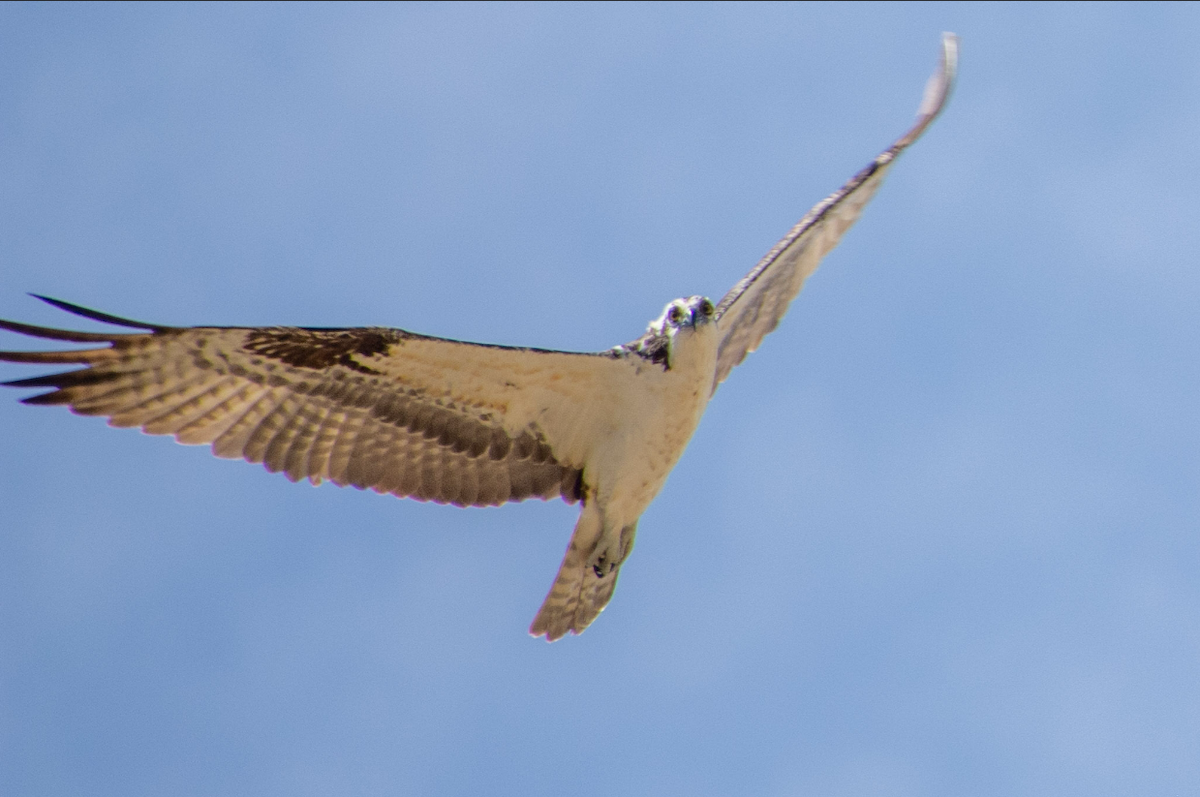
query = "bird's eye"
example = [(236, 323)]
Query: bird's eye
[(706, 307), (675, 314)]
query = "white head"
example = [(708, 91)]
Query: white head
[(684, 315)]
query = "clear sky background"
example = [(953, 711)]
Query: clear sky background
[(939, 536)]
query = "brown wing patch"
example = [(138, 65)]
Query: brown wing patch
[(321, 348)]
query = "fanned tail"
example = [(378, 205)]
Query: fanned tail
[(586, 579)]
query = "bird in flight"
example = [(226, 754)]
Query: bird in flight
[(462, 423)]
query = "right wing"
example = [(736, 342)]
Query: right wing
[(377, 408), (755, 306)]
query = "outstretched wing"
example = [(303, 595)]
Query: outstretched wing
[(755, 306), (376, 408)]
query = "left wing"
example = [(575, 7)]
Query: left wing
[(755, 306), (377, 408)]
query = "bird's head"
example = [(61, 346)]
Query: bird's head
[(684, 314)]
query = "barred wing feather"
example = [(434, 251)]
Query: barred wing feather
[(377, 408)]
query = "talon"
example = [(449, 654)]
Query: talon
[(603, 567)]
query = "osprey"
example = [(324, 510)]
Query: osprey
[(462, 423)]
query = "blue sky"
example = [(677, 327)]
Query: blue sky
[(939, 536)]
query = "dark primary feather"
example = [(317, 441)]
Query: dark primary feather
[(96, 315)]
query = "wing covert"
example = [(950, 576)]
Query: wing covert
[(757, 303)]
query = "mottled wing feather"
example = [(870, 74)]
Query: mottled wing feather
[(755, 306), (375, 408)]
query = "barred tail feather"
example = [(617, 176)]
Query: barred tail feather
[(585, 583)]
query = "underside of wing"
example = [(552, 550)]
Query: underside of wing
[(375, 408), (755, 306)]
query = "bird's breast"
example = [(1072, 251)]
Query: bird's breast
[(662, 412)]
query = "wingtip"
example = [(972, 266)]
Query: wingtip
[(50, 300), (941, 83), (937, 91), (50, 333), (96, 315)]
